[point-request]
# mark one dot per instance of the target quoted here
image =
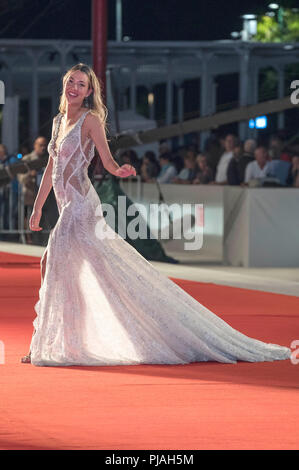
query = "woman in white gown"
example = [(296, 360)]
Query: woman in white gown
[(100, 302)]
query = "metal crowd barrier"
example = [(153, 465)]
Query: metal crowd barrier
[(12, 213), (137, 185)]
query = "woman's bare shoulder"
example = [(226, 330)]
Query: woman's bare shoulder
[(93, 119), (92, 123)]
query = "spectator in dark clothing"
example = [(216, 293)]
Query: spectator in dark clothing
[(293, 179), (247, 157), (237, 166), (204, 174), (178, 162), (6, 160), (233, 171), (131, 157), (213, 150), (163, 148), (30, 182), (276, 151), (150, 167)]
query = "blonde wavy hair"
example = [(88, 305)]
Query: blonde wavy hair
[(94, 101)]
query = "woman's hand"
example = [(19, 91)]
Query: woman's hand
[(34, 220), (125, 170)]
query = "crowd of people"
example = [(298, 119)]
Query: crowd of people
[(225, 161)]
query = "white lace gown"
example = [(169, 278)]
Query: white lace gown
[(102, 304)]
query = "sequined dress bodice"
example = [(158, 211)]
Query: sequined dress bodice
[(71, 160)]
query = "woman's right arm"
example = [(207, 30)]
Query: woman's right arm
[(46, 181), (45, 186), (97, 133), (43, 191)]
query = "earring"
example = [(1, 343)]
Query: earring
[(86, 102)]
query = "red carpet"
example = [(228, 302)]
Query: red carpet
[(195, 406)]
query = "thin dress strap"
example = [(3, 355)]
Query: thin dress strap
[(57, 127), (77, 123), (88, 139)]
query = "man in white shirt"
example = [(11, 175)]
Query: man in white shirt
[(260, 167), (221, 172)]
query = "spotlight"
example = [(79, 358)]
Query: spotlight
[(273, 6)]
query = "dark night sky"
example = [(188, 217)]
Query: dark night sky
[(168, 20), (142, 19)]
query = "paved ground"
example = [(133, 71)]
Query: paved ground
[(277, 280)]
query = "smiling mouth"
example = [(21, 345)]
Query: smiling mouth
[(73, 95)]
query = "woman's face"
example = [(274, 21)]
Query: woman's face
[(76, 88), (201, 161), (190, 154), (189, 163)]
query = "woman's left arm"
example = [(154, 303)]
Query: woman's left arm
[(97, 132)]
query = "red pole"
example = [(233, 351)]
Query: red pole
[(99, 41)]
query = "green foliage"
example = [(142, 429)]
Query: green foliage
[(292, 26), (283, 28), (267, 30)]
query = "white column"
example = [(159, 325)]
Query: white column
[(280, 71), (253, 133), (181, 109), (118, 16), (125, 100), (169, 98), (214, 97), (34, 97), (206, 93), (169, 95), (63, 50), (10, 113), (10, 124), (133, 89), (244, 81)]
